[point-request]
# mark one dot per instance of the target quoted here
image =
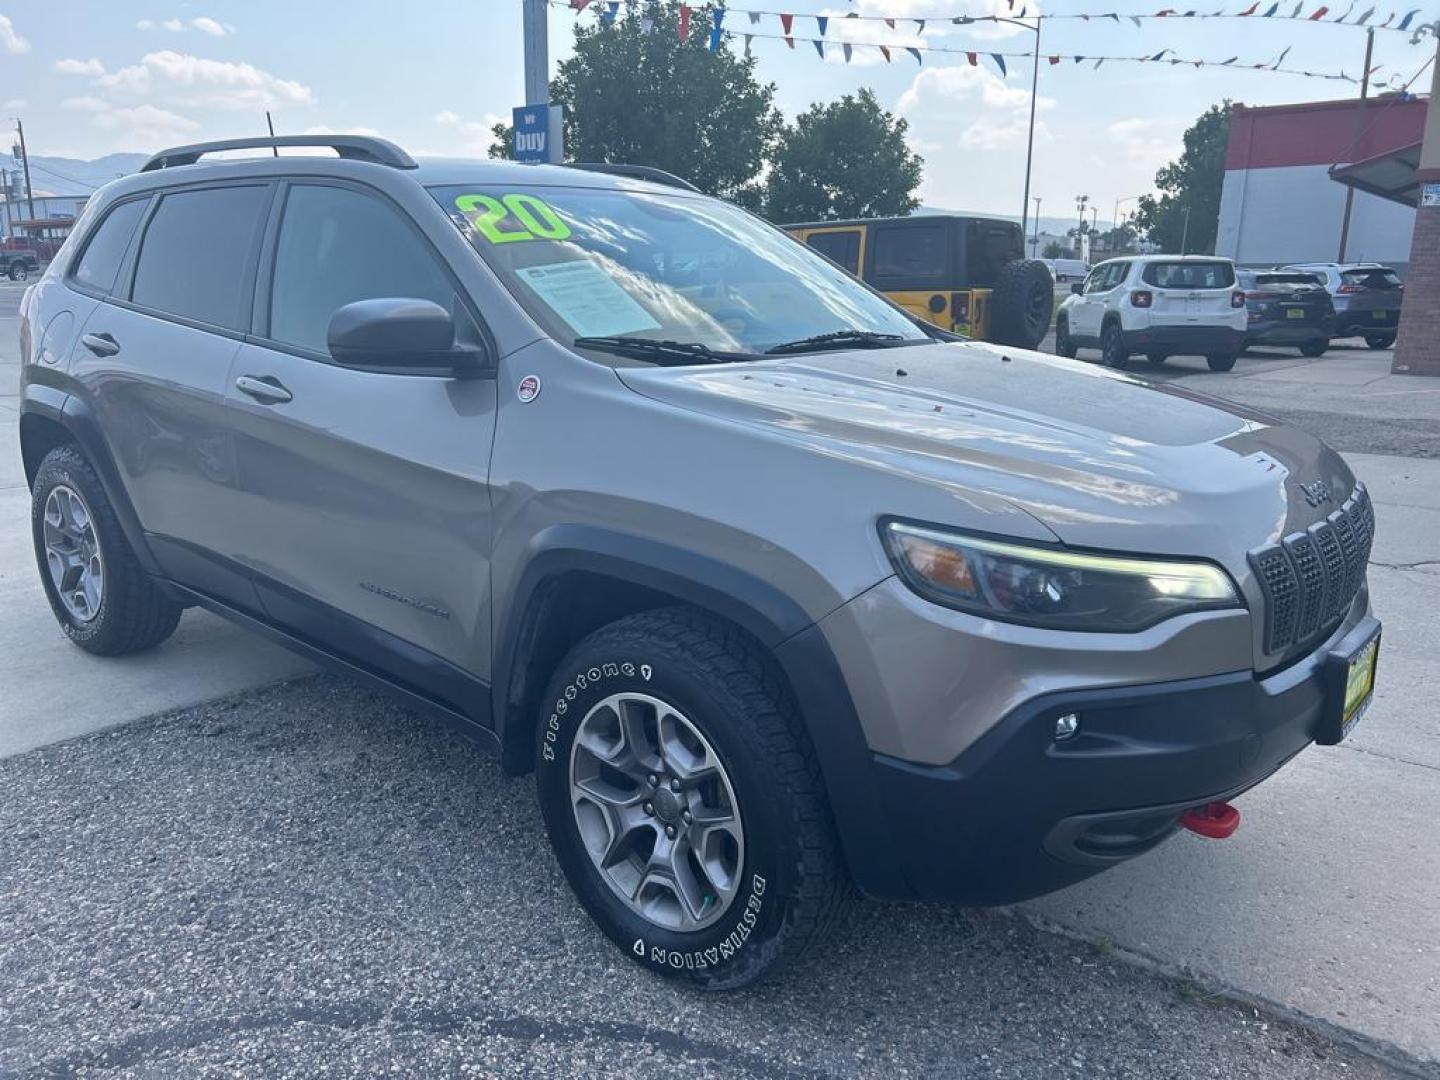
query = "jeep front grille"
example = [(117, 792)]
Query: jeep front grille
[(1310, 578)]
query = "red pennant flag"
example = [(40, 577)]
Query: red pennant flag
[(683, 29), (785, 21), (1320, 13), (974, 59), (1054, 60), (1164, 13), (890, 23), (579, 5), (885, 51), (1251, 9)]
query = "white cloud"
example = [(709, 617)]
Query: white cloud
[(69, 66), (1148, 143), (467, 138), (133, 127), (326, 129), (193, 80), (202, 23), (14, 104), (10, 39)]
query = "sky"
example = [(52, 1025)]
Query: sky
[(90, 78)]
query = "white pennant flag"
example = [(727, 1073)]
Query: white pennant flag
[(646, 24)]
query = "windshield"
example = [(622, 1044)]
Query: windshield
[(592, 262), (1279, 280), (1371, 278)]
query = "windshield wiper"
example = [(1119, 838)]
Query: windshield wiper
[(841, 339), (660, 351)]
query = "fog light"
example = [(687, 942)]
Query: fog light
[(1066, 726)]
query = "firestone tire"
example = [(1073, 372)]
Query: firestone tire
[(1022, 305), (787, 884), (130, 613)]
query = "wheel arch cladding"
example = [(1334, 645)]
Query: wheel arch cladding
[(580, 578)]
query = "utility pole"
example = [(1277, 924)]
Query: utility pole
[(1185, 233), (537, 53), (1359, 130), (1035, 237), (25, 160), (5, 180)]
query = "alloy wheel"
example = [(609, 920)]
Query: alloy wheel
[(72, 553), (656, 811)]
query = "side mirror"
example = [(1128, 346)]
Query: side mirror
[(399, 335), (1077, 288)]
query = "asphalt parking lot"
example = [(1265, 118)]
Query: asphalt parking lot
[(302, 879)]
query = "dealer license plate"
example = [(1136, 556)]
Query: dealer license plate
[(1295, 313), (1349, 683), (1359, 685), (1380, 316)]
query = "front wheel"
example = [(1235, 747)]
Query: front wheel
[(1064, 344), (1379, 341), (1112, 347), (1313, 349), (19, 272), (1221, 361), (683, 799), (1157, 358)]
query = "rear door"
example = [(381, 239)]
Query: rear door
[(369, 512), (843, 246), (155, 359), (1191, 292)]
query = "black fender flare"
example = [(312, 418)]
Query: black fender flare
[(764, 611), (47, 399)]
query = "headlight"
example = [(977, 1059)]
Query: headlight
[(1051, 587)]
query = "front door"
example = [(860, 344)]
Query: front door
[(370, 511)]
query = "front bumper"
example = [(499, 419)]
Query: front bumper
[(1017, 813), (1185, 340)]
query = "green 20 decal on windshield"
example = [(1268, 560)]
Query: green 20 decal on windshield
[(496, 219)]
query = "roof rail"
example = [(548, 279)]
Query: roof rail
[(355, 147), (638, 172)]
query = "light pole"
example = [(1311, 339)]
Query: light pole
[(1185, 233), (1035, 236), (1034, 86)]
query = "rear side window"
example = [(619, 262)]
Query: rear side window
[(101, 258), (909, 255), (196, 254), (841, 247), (1189, 275), (1382, 278), (338, 246)]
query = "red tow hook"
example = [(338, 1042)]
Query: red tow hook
[(1216, 820)]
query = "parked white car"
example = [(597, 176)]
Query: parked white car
[(1068, 269), (1159, 305)]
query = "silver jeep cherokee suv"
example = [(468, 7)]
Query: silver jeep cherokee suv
[(777, 590)]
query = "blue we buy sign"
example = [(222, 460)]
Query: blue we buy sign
[(538, 136)]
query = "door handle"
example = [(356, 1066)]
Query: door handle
[(100, 344), (265, 389)]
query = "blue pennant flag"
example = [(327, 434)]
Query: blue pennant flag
[(719, 16), (1000, 63), (820, 48), (915, 53), (611, 10), (1271, 11), (822, 22), (1405, 22)]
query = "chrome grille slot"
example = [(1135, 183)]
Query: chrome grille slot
[(1310, 578)]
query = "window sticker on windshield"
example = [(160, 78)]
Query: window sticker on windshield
[(587, 298), (512, 217)]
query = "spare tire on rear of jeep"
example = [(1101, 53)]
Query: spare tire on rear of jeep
[(1022, 305)]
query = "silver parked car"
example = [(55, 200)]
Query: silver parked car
[(1366, 296), (779, 590)]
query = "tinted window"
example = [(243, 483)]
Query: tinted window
[(842, 247), (1281, 281), (1190, 275), (101, 260), (337, 246), (1382, 278), (913, 254), (195, 257)]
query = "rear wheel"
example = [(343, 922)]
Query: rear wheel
[(1022, 305), (1221, 361), (104, 600), (1157, 358), (1112, 347), (684, 802), (19, 271), (1379, 341), (1064, 344), (1314, 348)]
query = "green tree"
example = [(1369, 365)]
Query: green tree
[(651, 99), (1192, 183), (844, 159), (1054, 250)]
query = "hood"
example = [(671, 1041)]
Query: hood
[(1102, 459)]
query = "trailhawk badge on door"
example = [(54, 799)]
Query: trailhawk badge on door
[(529, 388)]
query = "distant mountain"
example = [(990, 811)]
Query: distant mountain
[(1056, 226), (71, 176)]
